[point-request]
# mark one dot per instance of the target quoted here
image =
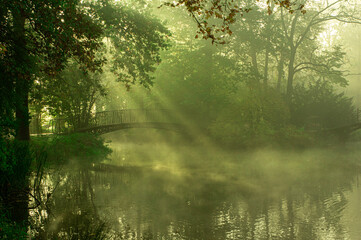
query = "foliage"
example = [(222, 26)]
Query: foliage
[(135, 40), (55, 31), (48, 33), (293, 136), (14, 166), (252, 118), (83, 147), (38, 37), (72, 95), (326, 64), (320, 106), (7, 106), (225, 12), (10, 230), (220, 88)]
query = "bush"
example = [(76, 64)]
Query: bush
[(291, 136), (319, 106), (85, 147), (9, 229), (251, 118)]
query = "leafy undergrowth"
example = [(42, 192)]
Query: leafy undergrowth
[(84, 147), (10, 229)]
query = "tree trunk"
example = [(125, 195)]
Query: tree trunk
[(253, 55), (265, 77), (293, 50), (22, 117), (38, 126), (291, 73), (22, 84), (16, 197), (280, 72)]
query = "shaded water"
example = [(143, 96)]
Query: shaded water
[(166, 190)]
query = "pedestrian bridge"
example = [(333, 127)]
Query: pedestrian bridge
[(109, 121)]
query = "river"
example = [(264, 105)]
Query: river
[(160, 188)]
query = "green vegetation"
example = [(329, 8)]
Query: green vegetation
[(84, 147), (10, 230)]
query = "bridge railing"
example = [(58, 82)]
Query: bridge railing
[(130, 116), (107, 118)]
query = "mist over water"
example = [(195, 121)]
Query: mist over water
[(155, 185)]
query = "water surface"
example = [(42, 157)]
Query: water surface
[(161, 188)]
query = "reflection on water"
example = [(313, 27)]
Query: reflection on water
[(171, 191)]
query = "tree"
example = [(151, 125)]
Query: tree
[(255, 40), (318, 104), (35, 37), (47, 33), (136, 39), (39, 36), (72, 95), (224, 13), (299, 29), (133, 41)]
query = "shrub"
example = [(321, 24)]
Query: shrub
[(84, 147), (251, 118), (320, 106)]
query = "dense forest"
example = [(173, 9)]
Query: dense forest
[(232, 75)]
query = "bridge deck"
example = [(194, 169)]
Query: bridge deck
[(115, 127)]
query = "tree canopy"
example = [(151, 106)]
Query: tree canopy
[(224, 13)]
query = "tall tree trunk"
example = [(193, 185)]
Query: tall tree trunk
[(265, 77), (293, 49), (38, 119), (22, 116), (291, 73), (280, 71), (253, 55), (16, 198), (22, 85)]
